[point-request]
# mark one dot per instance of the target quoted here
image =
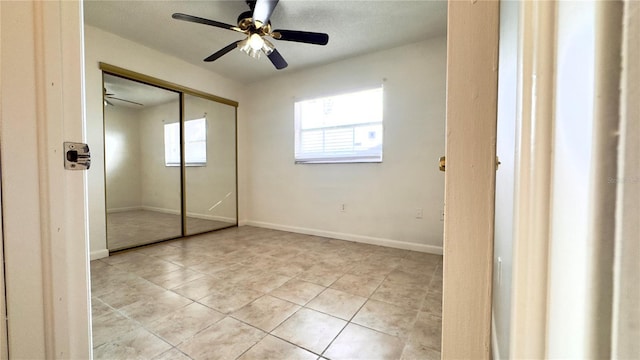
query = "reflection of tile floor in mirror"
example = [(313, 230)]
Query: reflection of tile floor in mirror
[(137, 227), (252, 293)]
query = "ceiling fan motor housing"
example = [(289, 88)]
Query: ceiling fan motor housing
[(245, 23), (245, 20)]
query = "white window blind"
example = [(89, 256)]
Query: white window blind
[(341, 128), (195, 143)]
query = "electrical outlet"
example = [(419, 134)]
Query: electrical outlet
[(419, 213)]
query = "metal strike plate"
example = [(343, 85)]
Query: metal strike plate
[(441, 163), (76, 156)]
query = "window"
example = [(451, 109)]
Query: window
[(195, 143), (341, 128)]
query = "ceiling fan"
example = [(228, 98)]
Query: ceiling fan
[(256, 26), (108, 96)]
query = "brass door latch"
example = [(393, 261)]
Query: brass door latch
[(76, 156)]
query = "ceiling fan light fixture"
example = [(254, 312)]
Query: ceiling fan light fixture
[(246, 48), (252, 45), (256, 41)]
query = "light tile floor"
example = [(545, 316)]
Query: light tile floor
[(251, 293)]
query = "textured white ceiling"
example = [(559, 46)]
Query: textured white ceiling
[(354, 28)]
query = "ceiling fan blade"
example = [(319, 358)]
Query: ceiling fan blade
[(301, 36), (199, 20), (130, 102), (262, 12), (277, 60), (224, 50)]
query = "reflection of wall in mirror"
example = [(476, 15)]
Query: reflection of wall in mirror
[(210, 190), (122, 159), (137, 177), (160, 183)]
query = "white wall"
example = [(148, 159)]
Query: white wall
[(381, 199), (504, 198), (101, 46), (122, 158)]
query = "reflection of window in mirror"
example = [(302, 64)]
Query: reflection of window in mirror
[(195, 143)]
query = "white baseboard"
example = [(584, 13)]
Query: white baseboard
[(495, 350), (190, 214), (211, 217), (161, 210), (123, 209), (99, 254), (349, 237)]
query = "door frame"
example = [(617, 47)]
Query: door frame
[(626, 293), (42, 229), (4, 340), (533, 171)]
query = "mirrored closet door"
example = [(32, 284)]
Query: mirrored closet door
[(170, 162), (210, 157)]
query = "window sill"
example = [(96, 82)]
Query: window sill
[(187, 165), (358, 161)]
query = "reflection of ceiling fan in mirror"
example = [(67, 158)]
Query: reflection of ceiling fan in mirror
[(255, 25), (108, 96)]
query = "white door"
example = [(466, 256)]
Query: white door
[(472, 49), (45, 246)]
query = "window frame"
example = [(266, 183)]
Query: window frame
[(323, 157)]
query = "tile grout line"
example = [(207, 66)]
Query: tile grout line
[(353, 316)]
